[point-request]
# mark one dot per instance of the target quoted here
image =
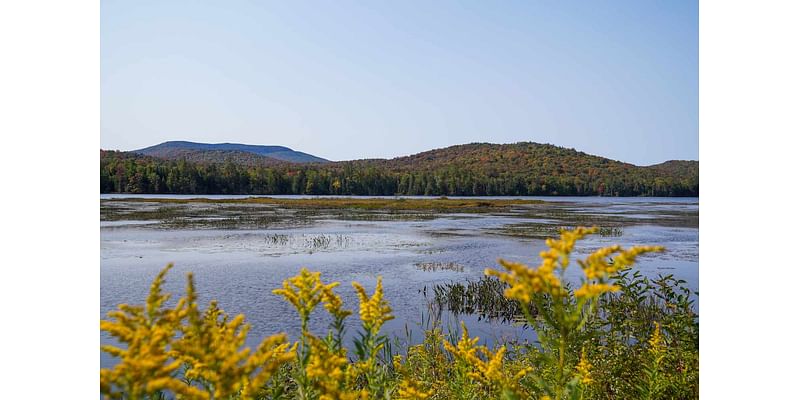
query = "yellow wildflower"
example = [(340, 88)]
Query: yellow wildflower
[(273, 352), (589, 290), (397, 362), (525, 281), (213, 349), (146, 366), (331, 373), (333, 303), (489, 372), (304, 292), (584, 369), (374, 310), (411, 390), (465, 349), (561, 249), (628, 257), (656, 342), (597, 266)]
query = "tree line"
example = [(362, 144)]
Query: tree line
[(122, 172)]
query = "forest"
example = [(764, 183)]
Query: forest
[(478, 169)]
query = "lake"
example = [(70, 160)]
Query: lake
[(239, 253)]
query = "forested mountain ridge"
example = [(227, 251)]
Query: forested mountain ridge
[(216, 156), (496, 159), (679, 167), (472, 169), (219, 152)]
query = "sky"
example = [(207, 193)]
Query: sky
[(350, 80)]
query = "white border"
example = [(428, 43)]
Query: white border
[(749, 119), (50, 121)]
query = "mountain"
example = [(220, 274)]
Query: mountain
[(678, 167), (501, 158), (220, 152), (474, 169)]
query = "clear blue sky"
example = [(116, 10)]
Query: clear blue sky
[(347, 80)]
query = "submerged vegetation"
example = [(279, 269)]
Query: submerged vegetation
[(439, 266), (389, 204), (484, 298), (539, 230), (310, 242), (266, 213), (522, 218), (617, 335)]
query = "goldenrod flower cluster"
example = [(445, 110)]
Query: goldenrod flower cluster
[(524, 282), (597, 268), (589, 290), (211, 348), (465, 349), (656, 342), (560, 249), (397, 362), (332, 302), (584, 369), (304, 292), (424, 361), (146, 365), (331, 373), (564, 313), (411, 390), (374, 310), (489, 371), (273, 352)]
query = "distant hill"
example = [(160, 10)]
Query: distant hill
[(678, 167), (473, 169), (220, 152), (502, 158)]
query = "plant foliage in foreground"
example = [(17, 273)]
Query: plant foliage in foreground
[(616, 336)]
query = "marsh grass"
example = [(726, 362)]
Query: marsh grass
[(382, 215), (311, 242), (265, 213), (439, 266), (540, 230), (438, 204), (484, 298)]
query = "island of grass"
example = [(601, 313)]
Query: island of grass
[(442, 204)]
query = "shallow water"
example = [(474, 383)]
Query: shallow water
[(239, 263)]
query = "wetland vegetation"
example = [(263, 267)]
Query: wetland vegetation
[(617, 334), (440, 204), (540, 219)]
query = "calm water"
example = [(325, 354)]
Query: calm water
[(240, 265)]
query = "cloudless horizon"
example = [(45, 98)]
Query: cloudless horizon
[(347, 81)]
